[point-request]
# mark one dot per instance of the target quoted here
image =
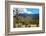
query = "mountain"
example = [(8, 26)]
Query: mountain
[(33, 16), (24, 14)]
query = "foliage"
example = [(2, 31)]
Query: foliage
[(25, 22)]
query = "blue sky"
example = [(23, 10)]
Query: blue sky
[(28, 11), (33, 10)]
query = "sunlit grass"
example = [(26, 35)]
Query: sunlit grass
[(25, 22)]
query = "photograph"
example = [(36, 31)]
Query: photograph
[(25, 17)]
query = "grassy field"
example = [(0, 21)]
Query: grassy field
[(26, 22)]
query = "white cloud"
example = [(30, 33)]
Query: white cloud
[(25, 11), (29, 12)]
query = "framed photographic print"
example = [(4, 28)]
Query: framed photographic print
[(24, 17)]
